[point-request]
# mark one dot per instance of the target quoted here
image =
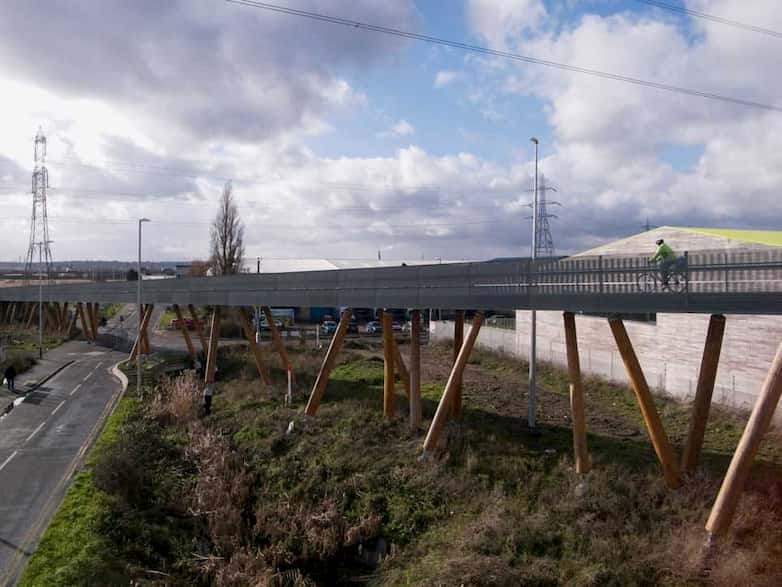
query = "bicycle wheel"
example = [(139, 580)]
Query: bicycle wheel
[(647, 282), (677, 283)]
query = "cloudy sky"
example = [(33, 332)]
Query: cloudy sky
[(342, 142)]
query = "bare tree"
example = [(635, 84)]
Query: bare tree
[(227, 236)]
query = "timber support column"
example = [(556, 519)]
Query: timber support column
[(82, 316), (33, 308), (138, 346), (388, 365), (145, 348), (759, 421), (249, 334), (71, 323), (654, 426), (50, 321), (401, 368), (703, 392), (415, 371), (328, 364), (185, 334), (580, 451), (198, 327), (438, 422), (211, 357), (277, 339), (458, 340), (66, 319)]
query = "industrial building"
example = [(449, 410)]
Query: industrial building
[(669, 346)]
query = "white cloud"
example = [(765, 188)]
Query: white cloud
[(397, 130), (607, 136), (499, 21), (446, 77)]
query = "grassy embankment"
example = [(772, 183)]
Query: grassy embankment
[(243, 497)]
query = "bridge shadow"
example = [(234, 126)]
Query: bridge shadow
[(498, 435)]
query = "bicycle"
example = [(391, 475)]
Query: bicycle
[(650, 281)]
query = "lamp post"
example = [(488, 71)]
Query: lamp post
[(531, 406), (138, 300), (40, 296)]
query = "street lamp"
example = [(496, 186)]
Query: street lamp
[(40, 296), (138, 300), (531, 406)]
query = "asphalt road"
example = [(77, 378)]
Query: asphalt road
[(42, 442)]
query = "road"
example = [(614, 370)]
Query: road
[(42, 442)]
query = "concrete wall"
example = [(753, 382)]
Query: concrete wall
[(669, 351)]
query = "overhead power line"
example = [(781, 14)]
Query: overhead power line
[(712, 17), (354, 24)]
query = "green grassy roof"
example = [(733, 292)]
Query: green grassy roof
[(763, 237)]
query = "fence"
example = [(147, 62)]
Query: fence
[(716, 281)]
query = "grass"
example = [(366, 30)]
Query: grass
[(73, 549), (110, 310), (166, 318), (258, 494)]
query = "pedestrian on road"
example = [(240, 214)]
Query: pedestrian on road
[(10, 375)]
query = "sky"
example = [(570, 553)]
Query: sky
[(344, 143)]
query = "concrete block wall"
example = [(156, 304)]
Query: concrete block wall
[(669, 350)]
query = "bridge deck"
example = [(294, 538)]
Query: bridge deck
[(718, 282)]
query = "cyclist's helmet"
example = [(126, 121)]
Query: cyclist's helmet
[(659, 241)]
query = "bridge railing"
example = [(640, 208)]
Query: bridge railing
[(596, 283)]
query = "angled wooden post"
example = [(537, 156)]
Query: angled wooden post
[(580, 451), (90, 311), (138, 346), (401, 368), (703, 392), (654, 426), (415, 371), (724, 507), (328, 364), (50, 322), (33, 308), (12, 312), (214, 337), (197, 325), (147, 313), (86, 331), (65, 319), (185, 334), (71, 323), (443, 408), (249, 334), (388, 365), (277, 339), (458, 340)]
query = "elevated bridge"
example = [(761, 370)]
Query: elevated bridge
[(714, 283)]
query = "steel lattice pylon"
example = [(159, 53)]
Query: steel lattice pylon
[(544, 243), (39, 221)]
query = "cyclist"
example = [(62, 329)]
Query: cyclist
[(665, 259)]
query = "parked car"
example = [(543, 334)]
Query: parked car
[(328, 326), (407, 326), (374, 327), (396, 326), (353, 327), (265, 324)]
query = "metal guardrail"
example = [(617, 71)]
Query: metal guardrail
[(717, 281)]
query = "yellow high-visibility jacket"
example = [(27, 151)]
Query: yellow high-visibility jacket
[(663, 253)]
